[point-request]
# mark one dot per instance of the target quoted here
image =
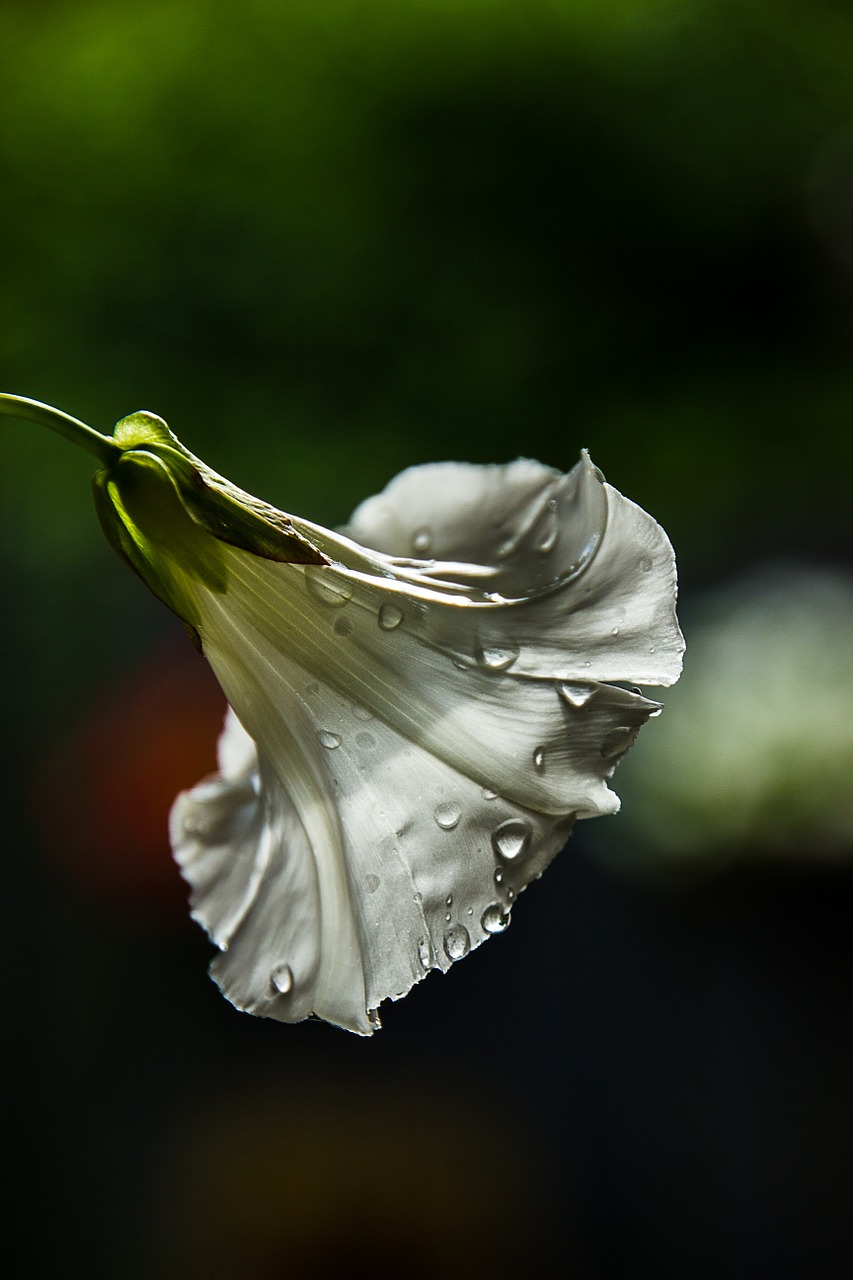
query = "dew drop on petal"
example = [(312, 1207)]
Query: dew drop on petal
[(327, 588), (447, 815), (328, 740), (615, 631), (281, 979), (577, 695), (510, 893), (447, 917), (499, 876), (457, 943), (549, 528), (496, 657), (449, 900), (616, 742), (488, 794), (371, 883), (646, 564), (422, 541), (539, 758), (365, 740), (510, 839), (495, 918), (390, 617), (424, 953), (361, 713)]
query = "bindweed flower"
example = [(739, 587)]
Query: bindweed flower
[(421, 705)]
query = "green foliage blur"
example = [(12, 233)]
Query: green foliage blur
[(328, 240)]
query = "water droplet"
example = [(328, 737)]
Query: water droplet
[(281, 979), (373, 1019), (577, 695), (470, 911), (422, 541), (510, 893), (447, 815), (424, 953), (390, 616), (587, 663), (653, 715), (495, 918), (327, 587), (361, 713), (539, 758), (328, 740), (313, 687), (510, 839), (495, 656), (488, 794), (616, 742), (646, 564), (615, 631), (343, 626), (652, 649), (365, 740), (448, 901), (637, 690), (549, 528), (499, 876), (447, 917), (371, 883), (457, 943)]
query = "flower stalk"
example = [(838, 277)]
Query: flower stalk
[(105, 449)]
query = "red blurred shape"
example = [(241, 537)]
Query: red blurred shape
[(113, 781)]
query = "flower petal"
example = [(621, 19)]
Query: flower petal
[(600, 572), (427, 731), (380, 759), (529, 527), (432, 863), (486, 722)]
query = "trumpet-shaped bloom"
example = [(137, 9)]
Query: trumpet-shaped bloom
[(422, 705), (417, 724)]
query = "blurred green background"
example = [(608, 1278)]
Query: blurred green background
[(327, 239)]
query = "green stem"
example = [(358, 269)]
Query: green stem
[(103, 447)]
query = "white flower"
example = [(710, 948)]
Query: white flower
[(421, 707), (414, 737)]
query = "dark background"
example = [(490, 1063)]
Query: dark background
[(327, 240)]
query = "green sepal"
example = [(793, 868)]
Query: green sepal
[(221, 508), (145, 520)]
